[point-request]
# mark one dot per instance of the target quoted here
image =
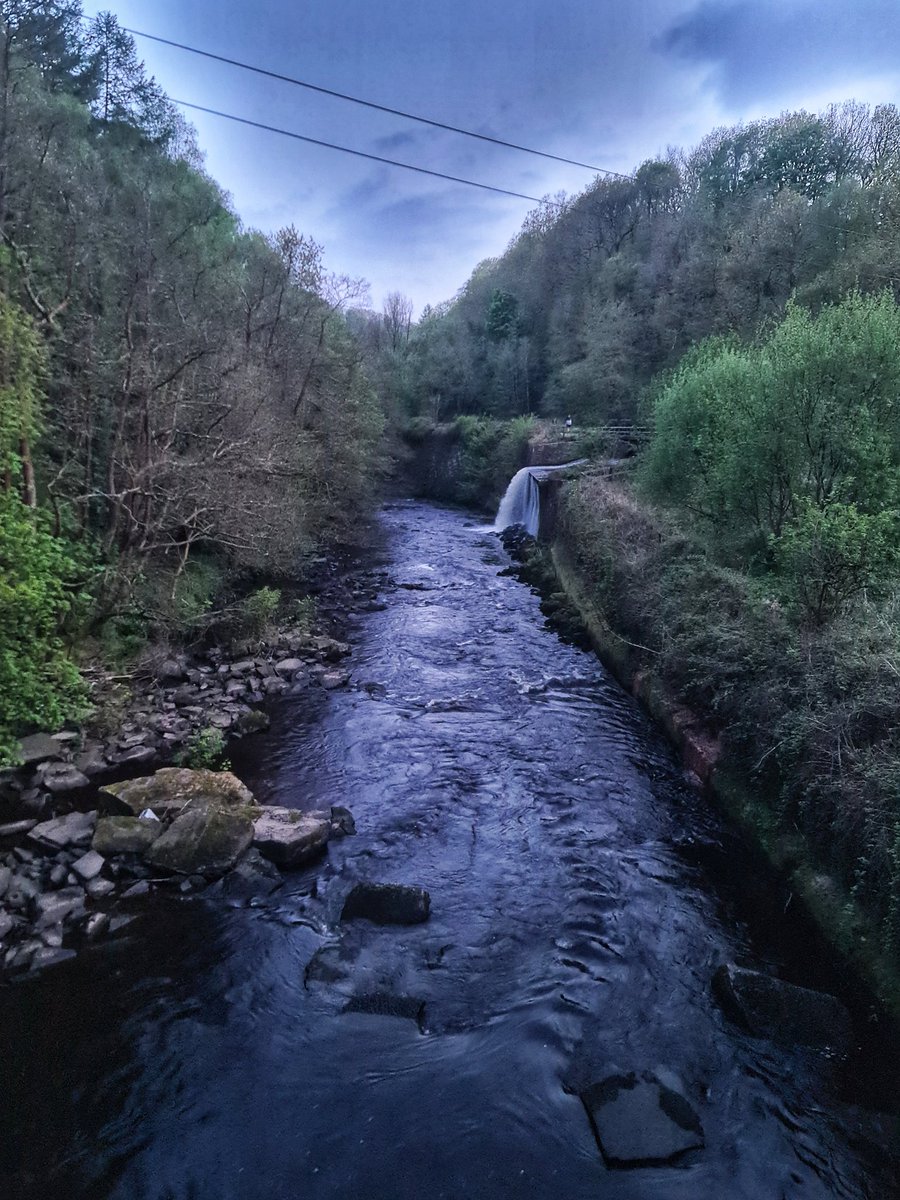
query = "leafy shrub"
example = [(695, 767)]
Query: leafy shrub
[(809, 712), (206, 750), (258, 611), (305, 613)]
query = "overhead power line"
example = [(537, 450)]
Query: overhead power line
[(396, 112), (301, 137)]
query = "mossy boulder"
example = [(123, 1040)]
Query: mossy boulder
[(205, 839), (125, 835), (177, 789)]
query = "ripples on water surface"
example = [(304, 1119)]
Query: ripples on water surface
[(569, 940)]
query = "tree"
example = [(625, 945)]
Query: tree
[(397, 316), (39, 685), (125, 93)]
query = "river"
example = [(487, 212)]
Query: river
[(571, 937)]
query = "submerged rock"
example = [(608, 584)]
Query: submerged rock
[(204, 840), (172, 789), (254, 876), (288, 836), (342, 822), (387, 904), (639, 1122), (770, 1008), (384, 1004)]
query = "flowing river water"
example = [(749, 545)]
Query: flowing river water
[(572, 936)]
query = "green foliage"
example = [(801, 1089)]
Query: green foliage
[(808, 715), (305, 613), (490, 451), (601, 292), (39, 684), (502, 316), (206, 751), (830, 555), (790, 449), (258, 611)]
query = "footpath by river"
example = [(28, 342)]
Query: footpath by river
[(571, 938)]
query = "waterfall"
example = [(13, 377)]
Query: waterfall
[(521, 503)]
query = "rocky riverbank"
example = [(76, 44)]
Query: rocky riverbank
[(82, 839), (69, 880)]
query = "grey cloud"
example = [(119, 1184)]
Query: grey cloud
[(760, 48)]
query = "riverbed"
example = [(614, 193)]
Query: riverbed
[(573, 935)]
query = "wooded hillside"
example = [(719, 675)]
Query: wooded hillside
[(602, 291), (179, 396)]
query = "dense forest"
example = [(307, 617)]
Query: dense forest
[(182, 408), (601, 292)]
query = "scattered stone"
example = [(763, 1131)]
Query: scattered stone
[(252, 721), (387, 904), (205, 840), (120, 922), (99, 889), (62, 778), (172, 789), (7, 924), (54, 907), (342, 822), (288, 836), (66, 737), (58, 875), (171, 671), (640, 1123), (53, 936), (5, 878), (38, 748), (125, 835), (47, 956), (185, 696), (289, 666), (334, 679), (244, 667), (253, 876), (89, 865), (136, 754), (137, 889), (74, 829), (770, 1008), (91, 762), (383, 1004), (16, 828), (329, 649), (97, 924)]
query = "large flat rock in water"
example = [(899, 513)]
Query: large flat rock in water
[(770, 1008), (387, 904), (289, 837), (172, 789), (640, 1123)]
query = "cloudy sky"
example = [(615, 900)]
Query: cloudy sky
[(602, 81)]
